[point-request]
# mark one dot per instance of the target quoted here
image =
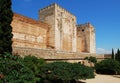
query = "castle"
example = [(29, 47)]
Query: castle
[(56, 30)]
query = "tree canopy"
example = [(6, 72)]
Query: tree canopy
[(6, 15)]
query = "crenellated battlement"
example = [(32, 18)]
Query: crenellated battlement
[(64, 10), (30, 21), (55, 5), (48, 7), (86, 24)]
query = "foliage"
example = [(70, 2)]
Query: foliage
[(108, 66), (14, 71), (34, 64), (117, 56), (112, 54), (63, 71), (91, 59), (6, 15)]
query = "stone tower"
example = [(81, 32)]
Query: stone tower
[(62, 35), (86, 38)]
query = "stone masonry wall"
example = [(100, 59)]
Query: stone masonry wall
[(47, 15), (55, 29), (49, 53), (28, 32), (62, 35), (54, 55), (65, 28), (83, 38), (86, 38)]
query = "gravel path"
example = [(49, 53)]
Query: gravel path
[(103, 79)]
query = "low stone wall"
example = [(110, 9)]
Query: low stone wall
[(49, 53)]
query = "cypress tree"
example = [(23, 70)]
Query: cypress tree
[(6, 15), (118, 55), (112, 54)]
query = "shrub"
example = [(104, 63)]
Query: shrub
[(108, 66), (63, 71), (34, 64), (91, 59), (14, 71)]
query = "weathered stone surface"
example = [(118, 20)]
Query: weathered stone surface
[(86, 38), (50, 53), (28, 32), (54, 36), (63, 32)]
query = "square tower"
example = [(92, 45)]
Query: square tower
[(86, 38), (62, 35)]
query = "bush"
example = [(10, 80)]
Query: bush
[(108, 66), (91, 59), (34, 64), (13, 70), (57, 72)]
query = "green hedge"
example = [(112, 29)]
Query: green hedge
[(63, 71), (108, 66), (14, 71), (34, 64)]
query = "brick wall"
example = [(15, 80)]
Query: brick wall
[(29, 33)]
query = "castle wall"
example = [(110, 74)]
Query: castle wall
[(83, 38), (48, 15), (63, 31), (66, 29), (54, 37), (50, 54), (92, 40), (28, 32), (86, 38)]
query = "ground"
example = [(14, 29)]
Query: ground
[(103, 79)]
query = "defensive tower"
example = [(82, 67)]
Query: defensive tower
[(62, 35)]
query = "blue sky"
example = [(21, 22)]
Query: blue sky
[(104, 15)]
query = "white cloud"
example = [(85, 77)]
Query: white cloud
[(103, 51)]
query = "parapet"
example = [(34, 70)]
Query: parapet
[(55, 5), (48, 7), (84, 25), (30, 21)]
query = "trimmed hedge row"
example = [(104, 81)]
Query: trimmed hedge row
[(14, 69), (108, 66), (64, 71)]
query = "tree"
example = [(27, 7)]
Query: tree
[(6, 15), (118, 55), (113, 54)]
